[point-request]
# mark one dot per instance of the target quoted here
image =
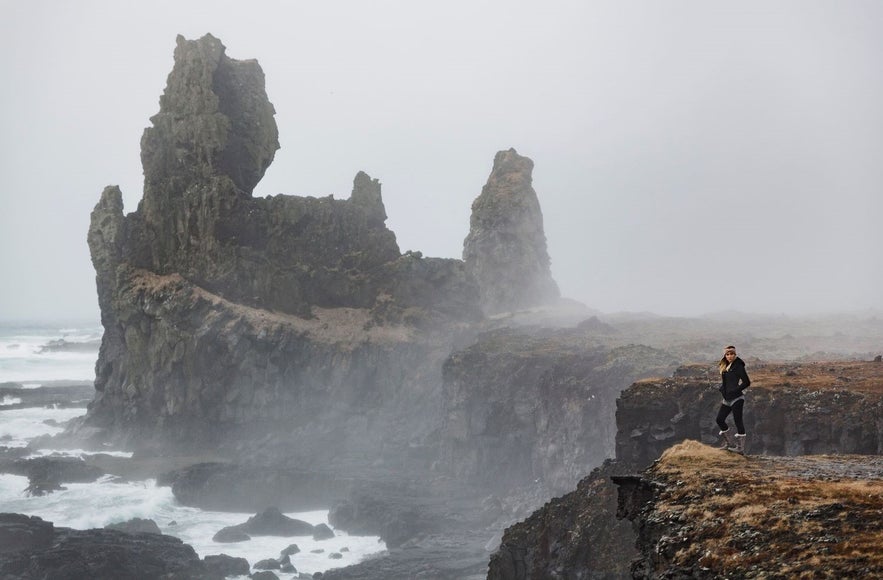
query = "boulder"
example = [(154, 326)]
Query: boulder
[(230, 534), (322, 532), (49, 552), (224, 565), (136, 526), (272, 522), (268, 564)]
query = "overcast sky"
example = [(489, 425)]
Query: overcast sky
[(690, 156)]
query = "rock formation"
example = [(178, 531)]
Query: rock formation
[(705, 513), (33, 548), (527, 407), (229, 317), (506, 247), (793, 409)]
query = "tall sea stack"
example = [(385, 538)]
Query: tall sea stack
[(505, 250)]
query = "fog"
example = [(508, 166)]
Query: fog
[(690, 156)]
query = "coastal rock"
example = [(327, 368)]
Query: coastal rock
[(46, 474), (322, 532), (506, 247), (223, 565), (522, 407), (791, 409), (50, 552), (21, 532), (270, 522), (655, 414), (804, 517), (225, 314), (572, 536), (136, 526), (230, 535)]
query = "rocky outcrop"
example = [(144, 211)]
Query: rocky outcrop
[(47, 474), (225, 313), (705, 513), (33, 548), (573, 536), (271, 522), (793, 409), (522, 407), (506, 247)]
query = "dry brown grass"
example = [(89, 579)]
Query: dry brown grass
[(786, 516), (856, 376)]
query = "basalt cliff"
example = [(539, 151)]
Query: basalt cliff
[(704, 513)]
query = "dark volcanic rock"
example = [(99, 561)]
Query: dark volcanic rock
[(21, 532), (574, 536), (270, 522), (803, 517), (96, 554), (46, 474), (506, 247), (230, 535), (226, 487), (268, 564), (224, 565), (791, 409), (577, 535), (523, 406), (74, 394), (136, 526), (322, 532)]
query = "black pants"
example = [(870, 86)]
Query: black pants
[(724, 412)]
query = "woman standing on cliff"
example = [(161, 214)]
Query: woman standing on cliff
[(734, 381)]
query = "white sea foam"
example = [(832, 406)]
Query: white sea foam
[(90, 505), (18, 426), (77, 453), (21, 359), (85, 506), (9, 400)]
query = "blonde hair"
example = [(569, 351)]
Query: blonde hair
[(724, 364)]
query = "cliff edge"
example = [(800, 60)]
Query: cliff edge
[(793, 409), (706, 513)]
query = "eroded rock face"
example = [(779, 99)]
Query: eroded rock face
[(527, 406), (574, 536), (506, 247), (222, 310), (694, 519), (792, 409)]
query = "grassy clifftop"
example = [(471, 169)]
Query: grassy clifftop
[(717, 514)]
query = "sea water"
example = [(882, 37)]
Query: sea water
[(108, 500)]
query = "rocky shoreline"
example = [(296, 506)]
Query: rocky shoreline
[(282, 353)]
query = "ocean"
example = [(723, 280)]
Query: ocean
[(37, 355)]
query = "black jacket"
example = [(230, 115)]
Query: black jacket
[(734, 381)]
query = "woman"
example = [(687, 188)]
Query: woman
[(734, 381)]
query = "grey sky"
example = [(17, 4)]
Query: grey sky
[(689, 156)]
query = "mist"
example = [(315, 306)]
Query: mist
[(689, 157)]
